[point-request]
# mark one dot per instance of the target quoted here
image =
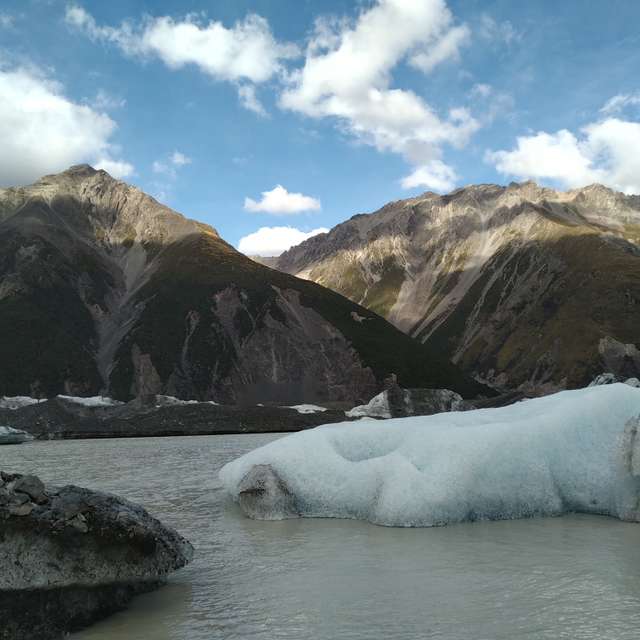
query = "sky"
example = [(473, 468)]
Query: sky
[(273, 120)]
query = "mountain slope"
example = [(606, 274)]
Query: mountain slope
[(104, 290), (522, 286)]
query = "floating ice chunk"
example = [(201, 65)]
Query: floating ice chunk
[(92, 401), (307, 408), (572, 451), (377, 407), (17, 402), (165, 401), (8, 435)]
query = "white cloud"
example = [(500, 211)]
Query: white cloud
[(447, 48), (620, 102), (116, 168), (347, 76), (43, 131), (494, 31), (168, 167), (604, 151), (249, 100), (436, 175), (272, 241), (481, 90), (6, 20), (179, 159), (280, 202), (104, 101), (245, 53)]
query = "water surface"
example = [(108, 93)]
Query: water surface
[(553, 578)]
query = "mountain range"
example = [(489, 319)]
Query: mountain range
[(105, 290), (522, 287)]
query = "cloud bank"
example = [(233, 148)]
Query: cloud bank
[(273, 241), (604, 151)]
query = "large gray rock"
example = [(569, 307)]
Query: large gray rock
[(395, 402), (263, 495), (71, 556), (612, 378)]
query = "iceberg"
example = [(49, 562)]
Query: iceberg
[(92, 401), (9, 435), (307, 408), (18, 402), (574, 451)]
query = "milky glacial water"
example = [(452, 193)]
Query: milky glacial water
[(576, 577)]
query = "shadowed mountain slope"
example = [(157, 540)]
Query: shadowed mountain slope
[(104, 290), (522, 286)]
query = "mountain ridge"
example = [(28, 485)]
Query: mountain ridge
[(105, 290), (480, 272)]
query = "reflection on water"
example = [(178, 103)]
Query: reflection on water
[(555, 578)]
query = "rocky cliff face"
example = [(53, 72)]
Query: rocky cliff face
[(522, 286), (104, 290)]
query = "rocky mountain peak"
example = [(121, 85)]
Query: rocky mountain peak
[(103, 209), (460, 271)]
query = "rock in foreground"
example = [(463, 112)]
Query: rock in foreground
[(575, 451), (70, 556)]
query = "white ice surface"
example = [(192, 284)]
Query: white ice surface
[(9, 435), (163, 401), (307, 408), (92, 401), (377, 407), (17, 402), (571, 451)]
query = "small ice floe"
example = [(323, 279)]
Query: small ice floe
[(377, 407), (307, 408), (9, 435), (92, 401), (18, 402), (168, 401)]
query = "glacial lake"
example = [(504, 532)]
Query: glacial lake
[(553, 578)]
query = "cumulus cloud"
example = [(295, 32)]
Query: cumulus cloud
[(282, 203), (437, 176), (246, 52), (273, 241), (604, 151), (43, 131), (116, 168), (168, 166), (179, 159), (347, 76)]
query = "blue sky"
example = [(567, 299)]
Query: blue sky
[(346, 105)]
